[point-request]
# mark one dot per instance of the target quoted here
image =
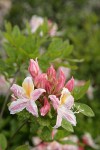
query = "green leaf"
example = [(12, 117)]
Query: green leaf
[(22, 147), (67, 125), (8, 27), (45, 134), (3, 142), (43, 121), (79, 92), (16, 31), (61, 134), (87, 111)]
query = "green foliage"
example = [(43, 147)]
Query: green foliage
[(67, 125), (85, 109), (20, 46), (45, 134), (22, 147), (61, 134), (3, 142), (79, 92)]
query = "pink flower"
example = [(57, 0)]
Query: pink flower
[(70, 84), (88, 140), (45, 109), (52, 28), (33, 68), (36, 22), (54, 146), (25, 97), (63, 107)]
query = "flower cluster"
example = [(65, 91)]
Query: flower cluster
[(37, 21), (50, 89), (76, 143)]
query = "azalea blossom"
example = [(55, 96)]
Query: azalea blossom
[(53, 82), (63, 107), (88, 140), (25, 97), (37, 21)]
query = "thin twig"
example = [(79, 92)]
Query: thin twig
[(8, 93)]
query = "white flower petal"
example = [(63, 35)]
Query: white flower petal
[(37, 93), (32, 108), (28, 86), (17, 106), (18, 91), (66, 99), (55, 101), (58, 122), (68, 115)]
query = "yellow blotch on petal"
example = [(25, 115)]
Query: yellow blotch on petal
[(64, 98), (28, 86)]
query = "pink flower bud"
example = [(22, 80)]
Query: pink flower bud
[(70, 84), (48, 87), (61, 80), (40, 81), (45, 109), (51, 73), (33, 68)]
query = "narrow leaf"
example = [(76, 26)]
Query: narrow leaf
[(67, 125), (86, 110), (3, 142)]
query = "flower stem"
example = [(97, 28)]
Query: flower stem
[(8, 93)]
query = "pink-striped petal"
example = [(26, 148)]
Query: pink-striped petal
[(17, 106), (55, 101), (32, 108), (66, 98), (69, 102), (58, 121), (45, 109), (18, 91), (68, 115), (70, 84), (37, 93)]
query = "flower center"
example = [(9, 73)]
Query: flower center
[(64, 98)]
